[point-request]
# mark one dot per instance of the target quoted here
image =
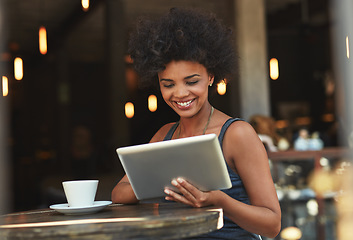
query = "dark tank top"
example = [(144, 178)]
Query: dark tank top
[(230, 230)]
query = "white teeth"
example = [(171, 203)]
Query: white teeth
[(183, 104)]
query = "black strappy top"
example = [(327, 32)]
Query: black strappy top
[(230, 230)]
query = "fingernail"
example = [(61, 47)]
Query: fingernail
[(166, 191), (175, 183), (180, 180)]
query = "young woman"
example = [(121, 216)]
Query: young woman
[(187, 52)]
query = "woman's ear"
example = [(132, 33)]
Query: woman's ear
[(211, 80)]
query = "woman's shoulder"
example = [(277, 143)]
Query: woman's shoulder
[(162, 132), (225, 123), (229, 122), (240, 130), (241, 141)]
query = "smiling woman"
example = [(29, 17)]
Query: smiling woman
[(186, 52), (184, 86)]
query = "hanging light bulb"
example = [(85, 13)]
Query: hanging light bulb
[(5, 86), (85, 5), (222, 87), (129, 110), (43, 40), (274, 70), (152, 103), (18, 68)]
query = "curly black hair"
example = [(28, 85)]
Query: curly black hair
[(182, 34)]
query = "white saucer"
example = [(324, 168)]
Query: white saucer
[(65, 209)]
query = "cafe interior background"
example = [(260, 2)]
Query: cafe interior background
[(72, 104)]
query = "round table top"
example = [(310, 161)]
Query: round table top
[(116, 221)]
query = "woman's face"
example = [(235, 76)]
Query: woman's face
[(184, 86)]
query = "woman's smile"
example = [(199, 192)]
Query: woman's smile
[(184, 104), (184, 87)]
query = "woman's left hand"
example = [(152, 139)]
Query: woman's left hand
[(188, 194)]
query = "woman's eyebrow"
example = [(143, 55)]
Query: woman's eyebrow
[(187, 77), (191, 76), (166, 79)]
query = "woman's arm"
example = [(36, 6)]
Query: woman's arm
[(123, 193), (246, 151), (245, 154)]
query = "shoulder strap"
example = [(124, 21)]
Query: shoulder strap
[(171, 132), (225, 127)]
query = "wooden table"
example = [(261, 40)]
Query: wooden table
[(140, 221)]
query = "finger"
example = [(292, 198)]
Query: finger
[(185, 192), (198, 197), (189, 188), (173, 196)]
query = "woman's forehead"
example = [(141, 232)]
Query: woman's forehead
[(184, 68)]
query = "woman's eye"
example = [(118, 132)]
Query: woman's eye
[(192, 82), (168, 85)]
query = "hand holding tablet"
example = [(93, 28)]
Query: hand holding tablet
[(151, 167)]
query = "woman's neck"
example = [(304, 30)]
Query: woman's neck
[(196, 125)]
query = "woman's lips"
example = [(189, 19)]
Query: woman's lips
[(184, 104)]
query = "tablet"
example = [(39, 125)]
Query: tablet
[(151, 167)]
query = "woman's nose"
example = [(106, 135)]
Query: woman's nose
[(181, 91)]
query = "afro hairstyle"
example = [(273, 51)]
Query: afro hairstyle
[(182, 34)]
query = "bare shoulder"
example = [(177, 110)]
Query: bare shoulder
[(241, 129), (160, 134), (241, 138)]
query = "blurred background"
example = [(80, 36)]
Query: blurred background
[(66, 107)]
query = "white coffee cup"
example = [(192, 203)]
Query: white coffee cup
[(80, 193)]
